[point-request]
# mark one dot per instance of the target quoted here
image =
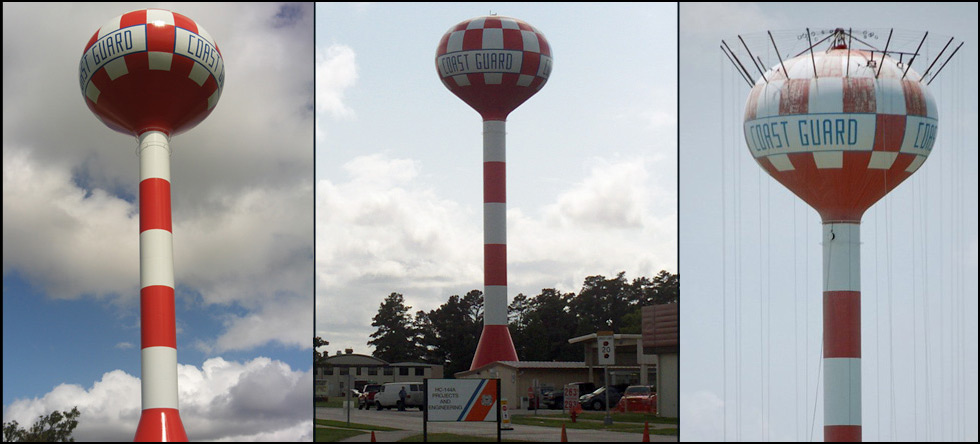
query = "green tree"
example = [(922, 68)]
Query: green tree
[(317, 343), (602, 303), (664, 288), (55, 427), (454, 331), (542, 325), (396, 338)]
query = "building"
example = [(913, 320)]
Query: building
[(334, 374), (633, 365), (517, 379), (661, 338)]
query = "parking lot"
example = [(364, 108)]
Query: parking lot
[(411, 420)]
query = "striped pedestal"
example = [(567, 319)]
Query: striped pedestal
[(160, 420), (495, 341), (842, 331)]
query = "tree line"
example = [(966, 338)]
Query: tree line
[(540, 325)]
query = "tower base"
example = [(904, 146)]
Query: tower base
[(160, 425), (495, 345)]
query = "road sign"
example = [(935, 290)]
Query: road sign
[(607, 350)]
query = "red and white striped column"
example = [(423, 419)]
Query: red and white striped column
[(495, 341), (842, 331), (160, 419)]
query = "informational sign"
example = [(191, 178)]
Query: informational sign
[(607, 350), (571, 397), (505, 416), (455, 400)]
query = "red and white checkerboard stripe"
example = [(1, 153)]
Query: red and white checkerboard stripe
[(466, 59), (841, 135), (151, 69), (494, 64), (842, 331), (891, 122), (495, 341), (160, 419)]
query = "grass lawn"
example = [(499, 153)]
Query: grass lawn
[(343, 425), (450, 437), (617, 426), (332, 403), (624, 417), (334, 435)]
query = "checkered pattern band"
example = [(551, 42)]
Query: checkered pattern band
[(151, 69), (840, 139), (494, 63)]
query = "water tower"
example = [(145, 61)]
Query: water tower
[(494, 64), (153, 74), (840, 127)]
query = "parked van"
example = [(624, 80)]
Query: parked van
[(387, 397)]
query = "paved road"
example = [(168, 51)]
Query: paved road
[(411, 421)]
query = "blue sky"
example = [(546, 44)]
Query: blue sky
[(591, 158), (71, 259)]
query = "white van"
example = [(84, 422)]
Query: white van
[(388, 397)]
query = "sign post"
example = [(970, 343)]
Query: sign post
[(607, 357)]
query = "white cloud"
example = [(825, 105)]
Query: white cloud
[(336, 71), (614, 220), (215, 399), (240, 252), (57, 236), (124, 346), (383, 230), (242, 180), (701, 411)]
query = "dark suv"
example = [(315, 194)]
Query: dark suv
[(597, 399)]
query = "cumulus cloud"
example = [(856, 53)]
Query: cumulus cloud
[(615, 219), (258, 400), (383, 230), (242, 181), (701, 412), (70, 241), (336, 71)]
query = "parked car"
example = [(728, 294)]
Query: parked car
[(556, 399), (638, 398), (366, 399), (387, 397), (597, 399)]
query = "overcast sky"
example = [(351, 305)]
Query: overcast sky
[(591, 158), (242, 193), (751, 255)]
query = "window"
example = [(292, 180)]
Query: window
[(344, 371), (389, 371), (328, 371), (372, 371), (419, 371), (403, 371)]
